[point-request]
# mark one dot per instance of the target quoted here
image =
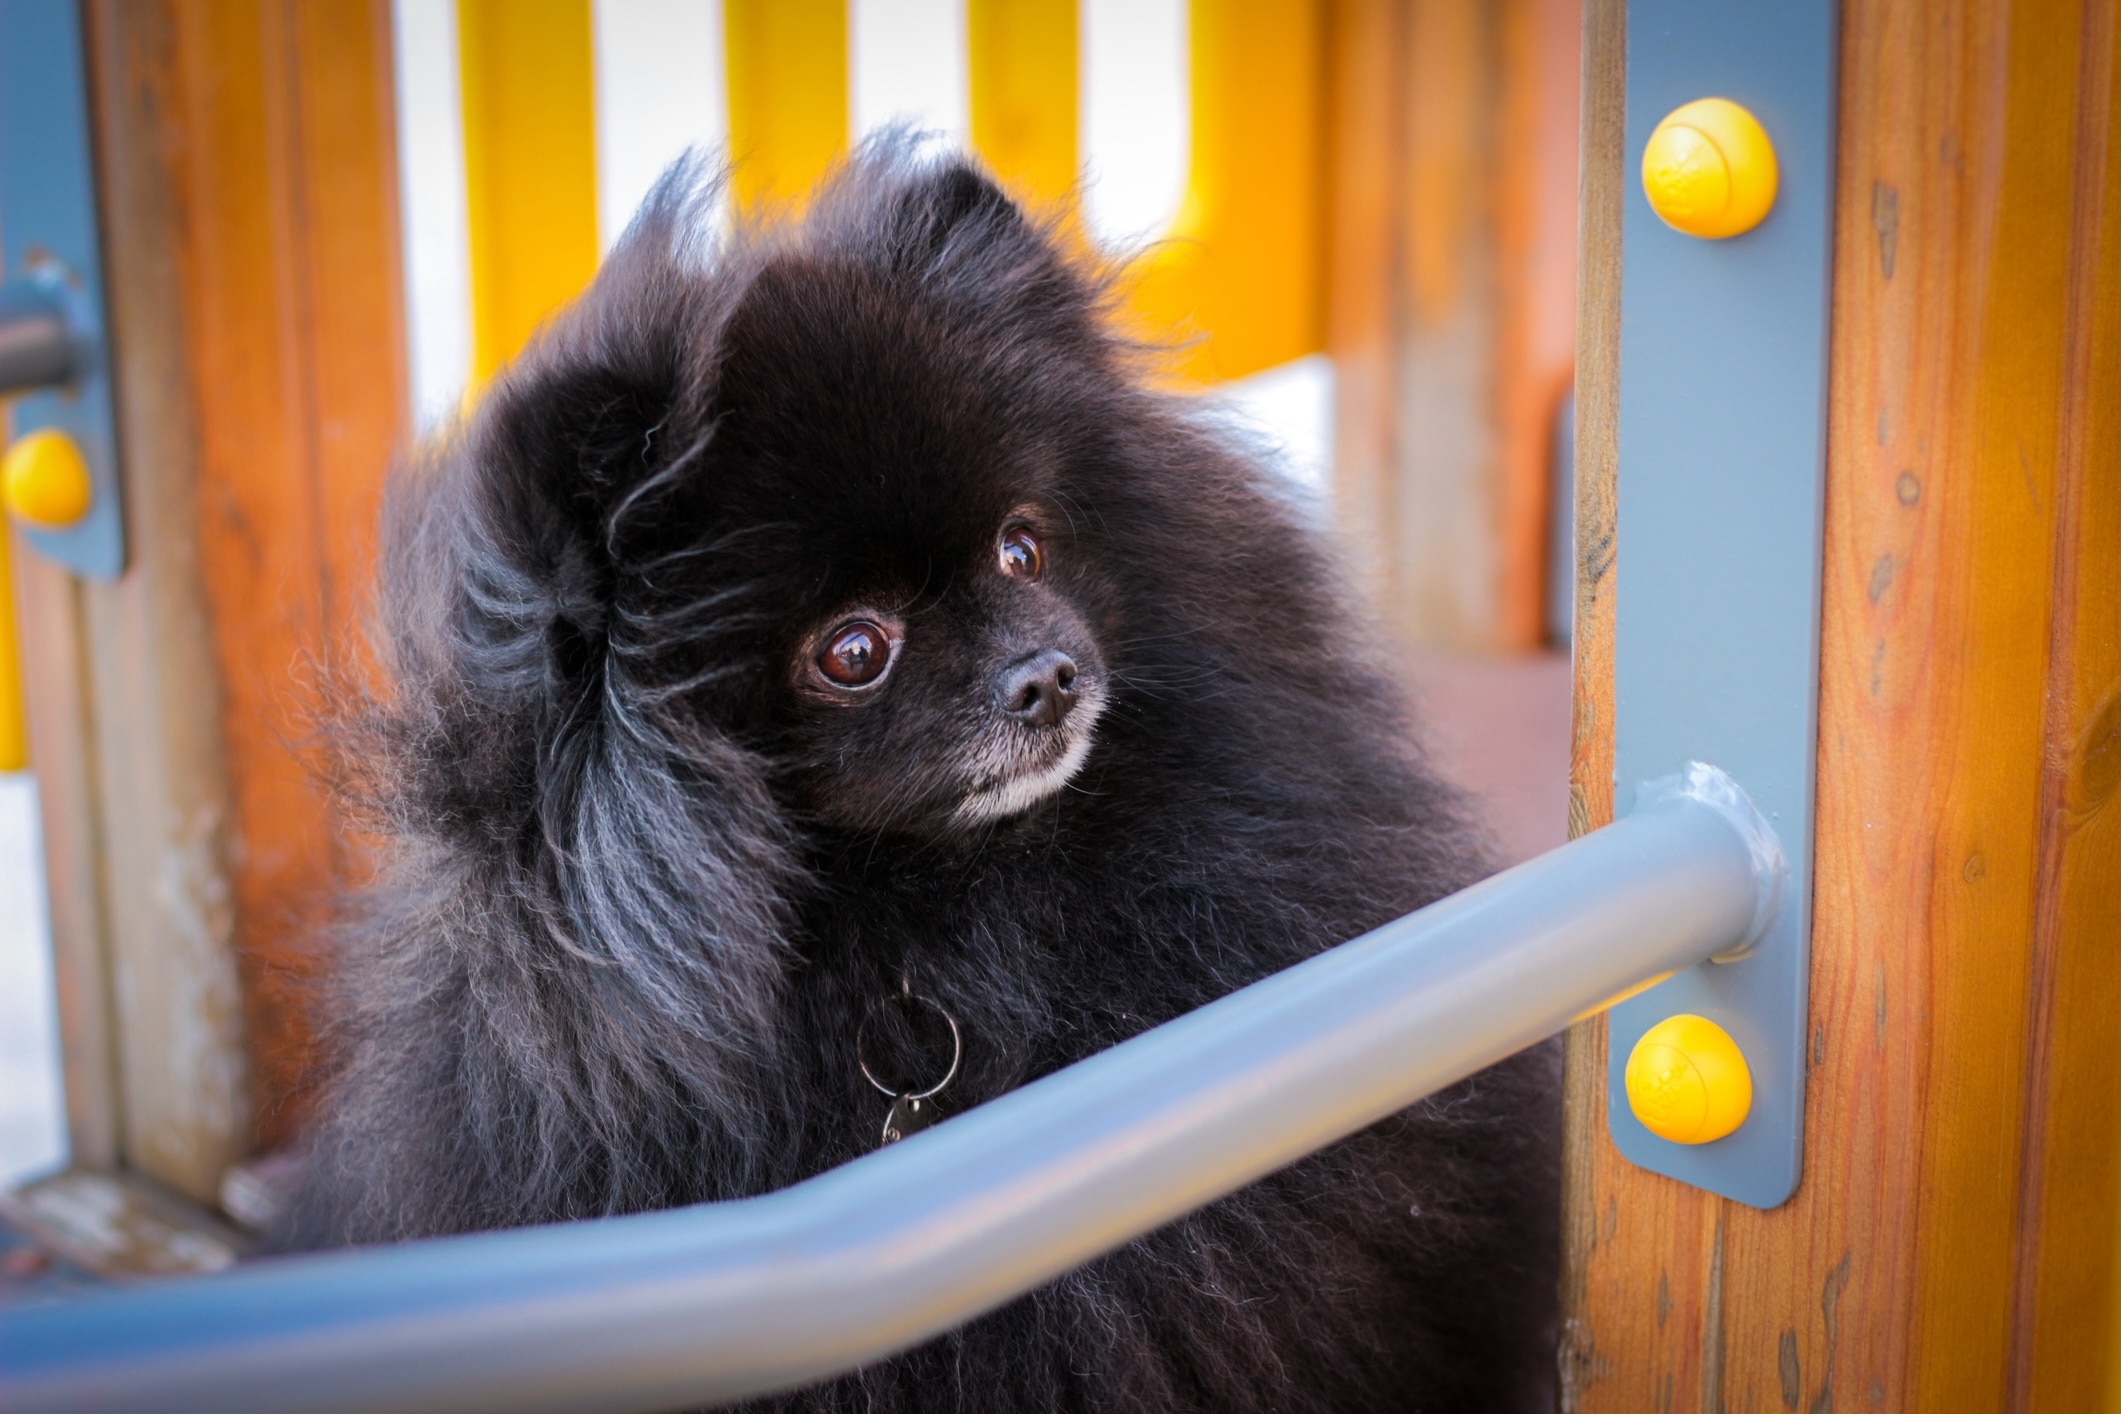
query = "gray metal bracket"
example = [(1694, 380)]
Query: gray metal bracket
[(1722, 430), (48, 233)]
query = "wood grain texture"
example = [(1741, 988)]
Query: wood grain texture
[(154, 775), (14, 713), (2064, 1335), (1365, 93), (1450, 302), (1443, 548), (1601, 186), (295, 376), (247, 176), (1955, 890), (1535, 237)]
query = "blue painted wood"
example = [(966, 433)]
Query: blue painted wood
[(48, 233), (1722, 454)]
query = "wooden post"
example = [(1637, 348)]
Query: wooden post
[(247, 170), (1451, 244), (1952, 1245), (294, 371)]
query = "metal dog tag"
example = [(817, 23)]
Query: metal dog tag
[(910, 1114)]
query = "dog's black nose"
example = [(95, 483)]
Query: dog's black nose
[(1039, 688)]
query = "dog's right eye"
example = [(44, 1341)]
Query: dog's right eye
[(855, 654), (1020, 555)]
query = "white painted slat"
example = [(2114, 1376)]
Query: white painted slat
[(660, 91), (431, 208), (1135, 141), (908, 65)]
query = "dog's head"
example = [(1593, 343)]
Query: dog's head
[(812, 493), (888, 449)]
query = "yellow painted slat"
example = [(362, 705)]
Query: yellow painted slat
[(529, 105), (1244, 262), (1024, 61), (787, 82), (14, 719)]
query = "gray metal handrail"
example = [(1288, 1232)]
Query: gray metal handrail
[(39, 347), (694, 1305)]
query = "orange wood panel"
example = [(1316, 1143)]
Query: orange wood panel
[(1969, 159), (1365, 97), (2065, 1330), (1535, 237), (1584, 1146), (294, 352), (1450, 298)]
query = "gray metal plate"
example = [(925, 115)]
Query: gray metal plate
[(1723, 352), (47, 215)]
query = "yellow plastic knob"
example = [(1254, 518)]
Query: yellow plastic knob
[(45, 481), (1709, 169), (1687, 1081)]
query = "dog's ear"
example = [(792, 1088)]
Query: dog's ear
[(547, 632), (952, 214)]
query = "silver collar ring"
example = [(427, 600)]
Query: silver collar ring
[(957, 1048)]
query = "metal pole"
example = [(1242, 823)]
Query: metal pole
[(668, 1309), (37, 345)]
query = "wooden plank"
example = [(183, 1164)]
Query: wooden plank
[(528, 95), (259, 531), (295, 374), (1365, 94), (160, 847), (120, 1226), (1444, 543), (339, 69), (62, 757), (1953, 249), (787, 75), (2065, 1344), (247, 175), (1890, 1280), (1450, 303), (1022, 61), (1535, 253), (1586, 1150), (14, 712)]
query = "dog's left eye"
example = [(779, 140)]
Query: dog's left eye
[(856, 654), (1020, 554)]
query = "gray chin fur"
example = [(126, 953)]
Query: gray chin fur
[(1019, 792)]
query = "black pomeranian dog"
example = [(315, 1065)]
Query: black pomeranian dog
[(823, 631)]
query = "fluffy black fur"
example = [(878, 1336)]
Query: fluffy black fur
[(647, 872)]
